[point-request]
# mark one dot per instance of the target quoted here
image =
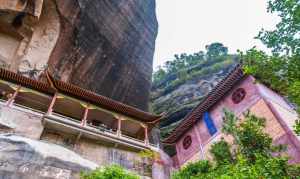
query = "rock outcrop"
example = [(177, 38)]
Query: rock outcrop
[(30, 159), (107, 46)]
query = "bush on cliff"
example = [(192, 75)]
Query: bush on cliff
[(109, 172)]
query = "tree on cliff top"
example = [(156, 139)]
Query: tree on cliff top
[(216, 49), (185, 61), (251, 157), (286, 36)]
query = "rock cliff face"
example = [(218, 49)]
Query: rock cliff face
[(30, 159), (107, 46)]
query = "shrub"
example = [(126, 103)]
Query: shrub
[(221, 152), (109, 172), (193, 169)]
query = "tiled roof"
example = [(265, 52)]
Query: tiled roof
[(26, 82), (54, 85), (222, 88), (104, 102)]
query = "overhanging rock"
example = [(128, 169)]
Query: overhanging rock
[(31, 159)]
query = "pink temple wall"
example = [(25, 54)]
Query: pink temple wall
[(286, 116), (255, 93), (184, 155)]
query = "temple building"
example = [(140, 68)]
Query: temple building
[(97, 128), (238, 93)]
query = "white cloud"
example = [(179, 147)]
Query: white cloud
[(189, 25)]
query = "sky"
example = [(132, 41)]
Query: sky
[(188, 25)]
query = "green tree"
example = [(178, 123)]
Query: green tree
[(249, 136), (286, 36), (193, 169), (221, 152), (281, 73), (215, 50), (109, 172), (159, 75)]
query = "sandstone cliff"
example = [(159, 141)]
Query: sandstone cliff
[(107, 46), (26, 158)]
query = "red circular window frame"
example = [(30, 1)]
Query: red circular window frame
[(238, 95), (187, 142)]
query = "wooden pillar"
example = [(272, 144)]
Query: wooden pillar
[(12, 99), (146, 135), (85, 115), (50, 108), (119, 132)]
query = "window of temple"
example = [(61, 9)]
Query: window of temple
[(209, 124), (238, 95), (187, 142)]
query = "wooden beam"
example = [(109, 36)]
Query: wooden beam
[(85, 115), (12, 99), (146, 136), (50, 108), (119, 132)]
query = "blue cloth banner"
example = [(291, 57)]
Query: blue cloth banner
[(209, 124)]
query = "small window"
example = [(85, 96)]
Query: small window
[(187, 142), (238, 95), (209, 124)]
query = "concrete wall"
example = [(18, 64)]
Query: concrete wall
[(279, 122)]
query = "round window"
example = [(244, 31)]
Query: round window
[(238, 95), (187, 142)]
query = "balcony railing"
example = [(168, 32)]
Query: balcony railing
[(99, 130), (110, 133)]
